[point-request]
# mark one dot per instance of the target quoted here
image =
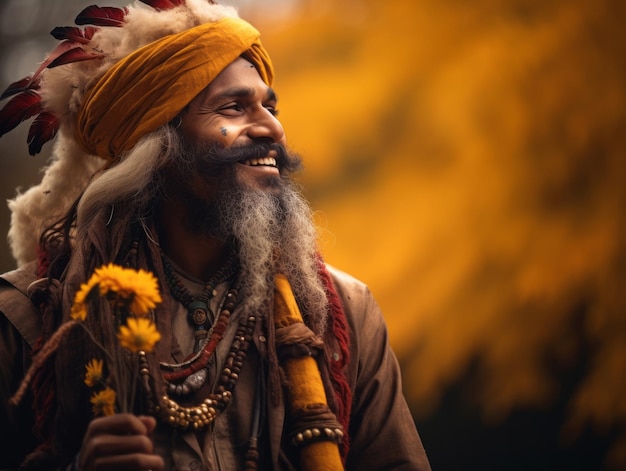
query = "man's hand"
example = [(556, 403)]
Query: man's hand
[(120, 442)]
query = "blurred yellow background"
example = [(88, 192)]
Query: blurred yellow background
[(467, 160)]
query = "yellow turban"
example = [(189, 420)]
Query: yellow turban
[(150, 86)]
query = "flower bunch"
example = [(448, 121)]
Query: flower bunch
[(102, 402), (133, 294)]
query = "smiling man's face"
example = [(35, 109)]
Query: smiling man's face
[(235, 111)]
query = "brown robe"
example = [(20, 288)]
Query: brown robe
[(382, 431)]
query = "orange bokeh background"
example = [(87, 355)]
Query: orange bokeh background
[(466, 160)]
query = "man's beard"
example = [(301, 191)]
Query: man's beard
[(272, 231)]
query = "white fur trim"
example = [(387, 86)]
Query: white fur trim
[(62, 91)]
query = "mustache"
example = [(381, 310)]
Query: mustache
[(286, 161)]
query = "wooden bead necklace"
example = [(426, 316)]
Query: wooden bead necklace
[(199, 416), (198, 311), (189, 376), (176, 372)]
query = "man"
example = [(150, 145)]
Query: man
[(192, 183)]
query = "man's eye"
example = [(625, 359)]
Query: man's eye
[(272, 109), (231, 107)]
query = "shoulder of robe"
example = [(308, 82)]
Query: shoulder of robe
[(354, 293), (15, 304)]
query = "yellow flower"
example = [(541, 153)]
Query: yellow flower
[(139, 334), (78, 312), (79, 308), (138, 290), (103, 403), (93, 373)]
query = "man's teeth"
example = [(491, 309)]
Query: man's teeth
[(270, 161)]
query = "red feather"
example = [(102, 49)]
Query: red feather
[(163, 4), (89, 31), (72, 33), (56, 52), (21, 85), (19, 108), (62, 49), (101, 16), (43, 129), (75, 54)]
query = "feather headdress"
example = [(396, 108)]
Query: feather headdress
[(53, 94)]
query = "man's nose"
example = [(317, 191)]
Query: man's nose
[(266, 126)]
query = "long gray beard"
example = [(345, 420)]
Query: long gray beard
[(274, 233)]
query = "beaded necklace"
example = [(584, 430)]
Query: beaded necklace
[(198, 311), (199, 416), (191, 375)]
